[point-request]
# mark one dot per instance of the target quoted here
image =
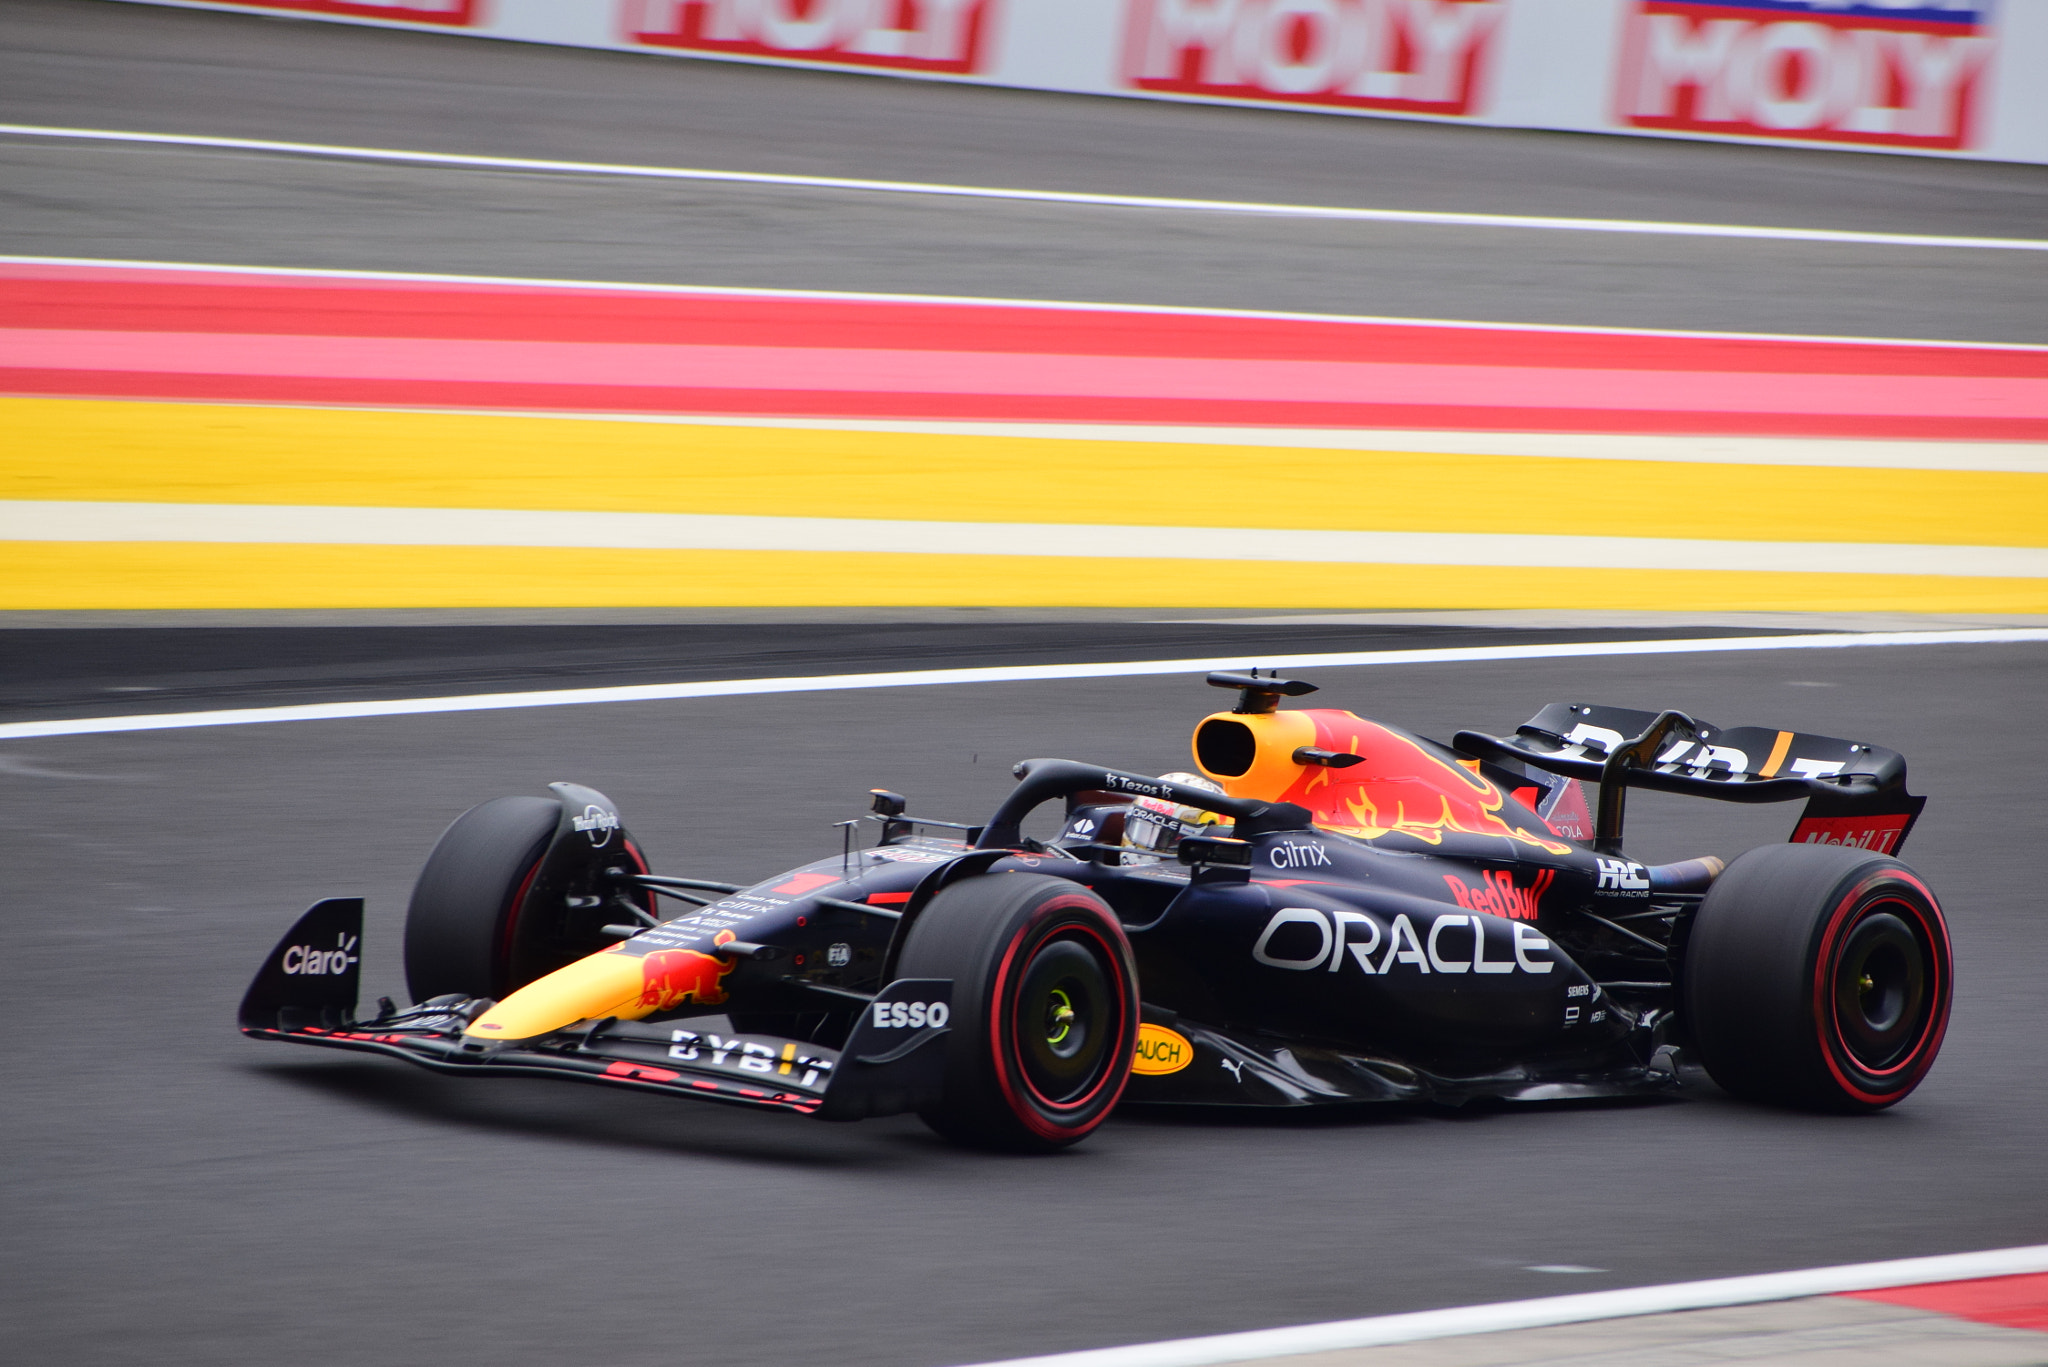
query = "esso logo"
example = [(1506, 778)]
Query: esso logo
[(911, 1015)]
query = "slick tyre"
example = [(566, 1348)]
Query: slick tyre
[(476, 924), (1045, 1009), (1818, 976)]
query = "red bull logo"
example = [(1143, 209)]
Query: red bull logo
[(670, 977), (1497, 894), (1400, 787)]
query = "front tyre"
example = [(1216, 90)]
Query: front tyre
[(1045, 1009), (483, 922), (1818, 976)]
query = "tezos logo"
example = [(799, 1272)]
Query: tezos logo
[(911, 1015), (598, 824), (306, 961), (1623, 878), (1292, 854)]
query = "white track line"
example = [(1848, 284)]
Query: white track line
[(989, 301), (322, 525), (1588, 1306), (725, 688), (913, 187)]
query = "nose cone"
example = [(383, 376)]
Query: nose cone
[(608, 983)]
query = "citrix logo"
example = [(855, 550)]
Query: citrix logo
[(1291, 854)]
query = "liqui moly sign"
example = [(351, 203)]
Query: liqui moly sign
[(441, 13), (941, 36), (1411, 56), (1904, 73)]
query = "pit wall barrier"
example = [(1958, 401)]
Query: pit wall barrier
[(1955, 78)]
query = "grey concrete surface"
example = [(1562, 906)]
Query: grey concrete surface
[(112, 670), (88, 63), (1821, 1332), (175, 1192), (95, 64)]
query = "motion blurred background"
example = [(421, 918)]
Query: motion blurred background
[(353, 354)]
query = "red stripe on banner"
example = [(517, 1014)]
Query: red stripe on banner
[(203, 335), (2015, 1302)]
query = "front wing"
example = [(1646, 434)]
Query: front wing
[(305, 993)]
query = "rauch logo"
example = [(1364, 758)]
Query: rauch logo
[(1900, 74), (905, 35), (1417, 56)]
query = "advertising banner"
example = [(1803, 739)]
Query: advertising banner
[(1889, 74), (947, 36), (1412, 56), (1934, 77)]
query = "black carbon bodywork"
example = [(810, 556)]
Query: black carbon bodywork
[(1285, 963)]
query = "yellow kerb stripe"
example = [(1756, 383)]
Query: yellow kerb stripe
[(208, 453), (133, 575)]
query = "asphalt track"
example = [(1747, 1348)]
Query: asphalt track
[(84, 63), (177, 1192)]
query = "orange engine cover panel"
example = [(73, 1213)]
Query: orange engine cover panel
[(1401, 785)]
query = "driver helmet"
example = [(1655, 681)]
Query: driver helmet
[(1156, 825)]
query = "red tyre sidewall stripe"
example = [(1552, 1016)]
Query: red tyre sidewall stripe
[(1027, 1108), (1828, 1027), (640, 864), (510, 932)]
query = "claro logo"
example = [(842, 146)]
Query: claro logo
[(306, 961), (1326, 938)]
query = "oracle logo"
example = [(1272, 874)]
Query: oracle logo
[(1904, 75), (1421, 56), (909, 35)]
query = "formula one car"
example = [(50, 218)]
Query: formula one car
[(1331, 911)]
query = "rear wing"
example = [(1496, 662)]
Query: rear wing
[(1855, 793)]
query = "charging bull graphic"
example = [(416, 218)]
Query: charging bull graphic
[(670, 977), (1400, 786)]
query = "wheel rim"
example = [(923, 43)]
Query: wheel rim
[(1881, 981), (1062, 1024)]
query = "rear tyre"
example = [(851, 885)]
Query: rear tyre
[(478, 924), (1818, 976), (1045, 1009)]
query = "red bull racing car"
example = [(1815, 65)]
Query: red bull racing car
[(1331, 911)]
